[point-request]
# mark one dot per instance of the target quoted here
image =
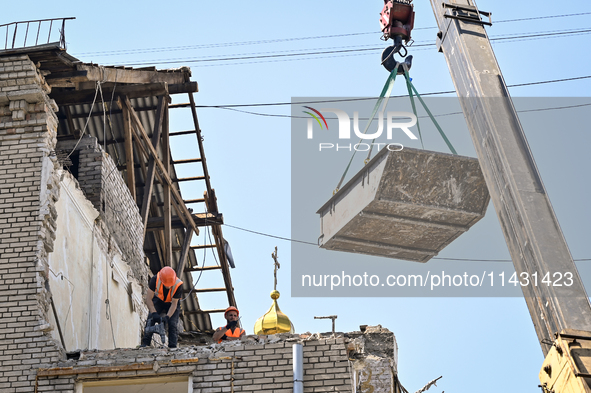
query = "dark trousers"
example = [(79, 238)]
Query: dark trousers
[(173, 324)]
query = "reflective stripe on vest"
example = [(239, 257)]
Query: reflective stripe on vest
[(237, 332), (160, 289)]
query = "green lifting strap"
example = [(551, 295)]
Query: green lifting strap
[(412, 102), (384, 94), (429, 113)]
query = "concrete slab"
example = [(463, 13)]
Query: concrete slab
[(407, 204)]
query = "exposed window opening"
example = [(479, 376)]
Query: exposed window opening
[(168, 384), (73, 355), (75, 167), (70, 161)]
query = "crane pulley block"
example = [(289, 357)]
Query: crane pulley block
[(397, 19)]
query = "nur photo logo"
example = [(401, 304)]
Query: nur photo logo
[(393, 121)]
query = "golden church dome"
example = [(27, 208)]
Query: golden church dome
[(274, 321)]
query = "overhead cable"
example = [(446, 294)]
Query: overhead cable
[(373, 98), (270, 41), (276, 55), (316, 245)]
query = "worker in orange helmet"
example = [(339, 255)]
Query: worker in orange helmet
[(231, 331), (162, 297)]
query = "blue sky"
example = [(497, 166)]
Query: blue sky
[(478, 344)]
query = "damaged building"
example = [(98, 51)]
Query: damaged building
[(90, 208)]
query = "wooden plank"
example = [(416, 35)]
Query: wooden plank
[(200, 143), (184, 252), (219, 310), (69, 97), (183, 105), (187, 87), (201, 247), (164, 177), (191, 178), (178, 133), (188, 161), (211, 203), (158, 236), (172, 89), (198, 200), (70, 122), (209, 290), (166, 189), (205, 268), (152, 164), (52, 372), (200, 220), (67, 78), (129, 153), (119, 75)]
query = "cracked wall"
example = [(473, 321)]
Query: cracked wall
[(32, 197), (29, 188), (103, 185), (98, 301)]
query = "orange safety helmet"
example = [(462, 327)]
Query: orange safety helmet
[(231, 308), (168, 276)]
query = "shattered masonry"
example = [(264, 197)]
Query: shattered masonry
[(28, 191), (330, 365)]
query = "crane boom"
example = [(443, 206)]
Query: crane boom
[(532, 232)]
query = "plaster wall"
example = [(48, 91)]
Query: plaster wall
[(96, 298)]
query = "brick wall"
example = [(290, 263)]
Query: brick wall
[(253, 365), (29, 187), (104, 186)]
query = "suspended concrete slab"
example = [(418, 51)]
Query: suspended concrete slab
[(406, 204)]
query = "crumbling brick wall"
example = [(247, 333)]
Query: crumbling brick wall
[(104, 186), (29, 187), (253, 365)]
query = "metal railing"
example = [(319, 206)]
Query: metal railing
[(14, 32)]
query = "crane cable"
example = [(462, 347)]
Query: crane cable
[(385, 93), (384, 97)]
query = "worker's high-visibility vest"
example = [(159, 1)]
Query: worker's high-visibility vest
[(237, 333), (160, 289)]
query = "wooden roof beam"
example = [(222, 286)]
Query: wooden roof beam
[(205, 268), (86, 96), (144, 143), (219, 310), (200, 220), (120, 75), (212, 207)]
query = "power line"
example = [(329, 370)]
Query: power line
[(316, 52), (580, 31), (551, 81), (271, 41), (543, 17), (239, 57), (373, 98), (224, 44), (273, 236), (420, 117), (441, 258)]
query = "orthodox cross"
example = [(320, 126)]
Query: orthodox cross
[(277, 266)]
